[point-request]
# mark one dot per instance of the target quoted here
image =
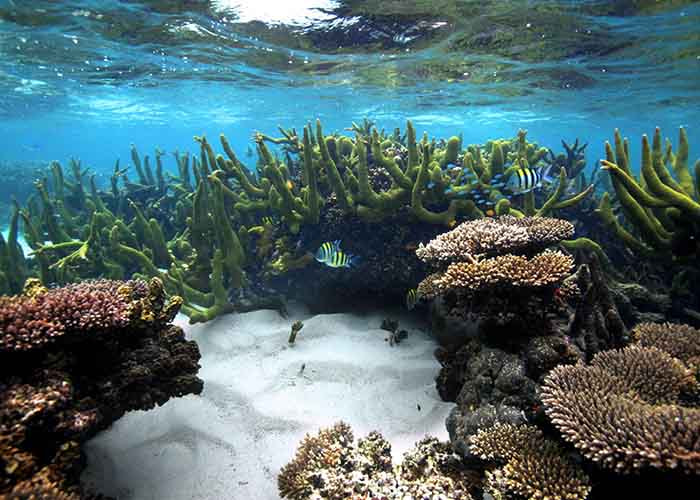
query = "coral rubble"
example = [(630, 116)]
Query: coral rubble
[(331, 465)]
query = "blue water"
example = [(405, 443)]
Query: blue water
[(88, 78)]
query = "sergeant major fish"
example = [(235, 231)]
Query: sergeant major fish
[(524, 180), (330, 254), (411, 299)]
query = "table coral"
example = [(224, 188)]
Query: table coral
[(625, 412), (496, 235)]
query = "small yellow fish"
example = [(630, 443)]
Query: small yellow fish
[(452, 223), (290, 185), (490, 213)]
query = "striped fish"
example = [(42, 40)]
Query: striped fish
[(524, 180), (411, 299), (330, 254)]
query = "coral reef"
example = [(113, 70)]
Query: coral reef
[(482, 273), (13, 265), (680, 341), (330, 465), (505, 271), (245, 225), (72, 361), (661, 207), (530, 466), (596, 322), (626, 411)]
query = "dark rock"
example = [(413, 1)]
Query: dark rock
[(463, 423)]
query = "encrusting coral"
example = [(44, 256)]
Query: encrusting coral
[(330, 465), (72, 361), (626, 410), (529, 466)]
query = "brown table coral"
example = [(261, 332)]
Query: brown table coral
[(497, 235), (626, 410)]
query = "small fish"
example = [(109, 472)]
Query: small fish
[(431, 185), (411, 245), (524, 180), (330, 254), (290, 185), (249, 152), (411, 299), (490, 213), (418, 406), (303, 367), (268, 221), (452, 223)]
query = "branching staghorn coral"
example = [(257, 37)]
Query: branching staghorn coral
[(662, 205), (529, 465), (155, 224), (13, 265), (624, 410), (330, 465)]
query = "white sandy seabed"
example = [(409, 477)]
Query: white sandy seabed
[(230, 442)]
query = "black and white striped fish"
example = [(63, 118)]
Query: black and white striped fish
[(524, 180)]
